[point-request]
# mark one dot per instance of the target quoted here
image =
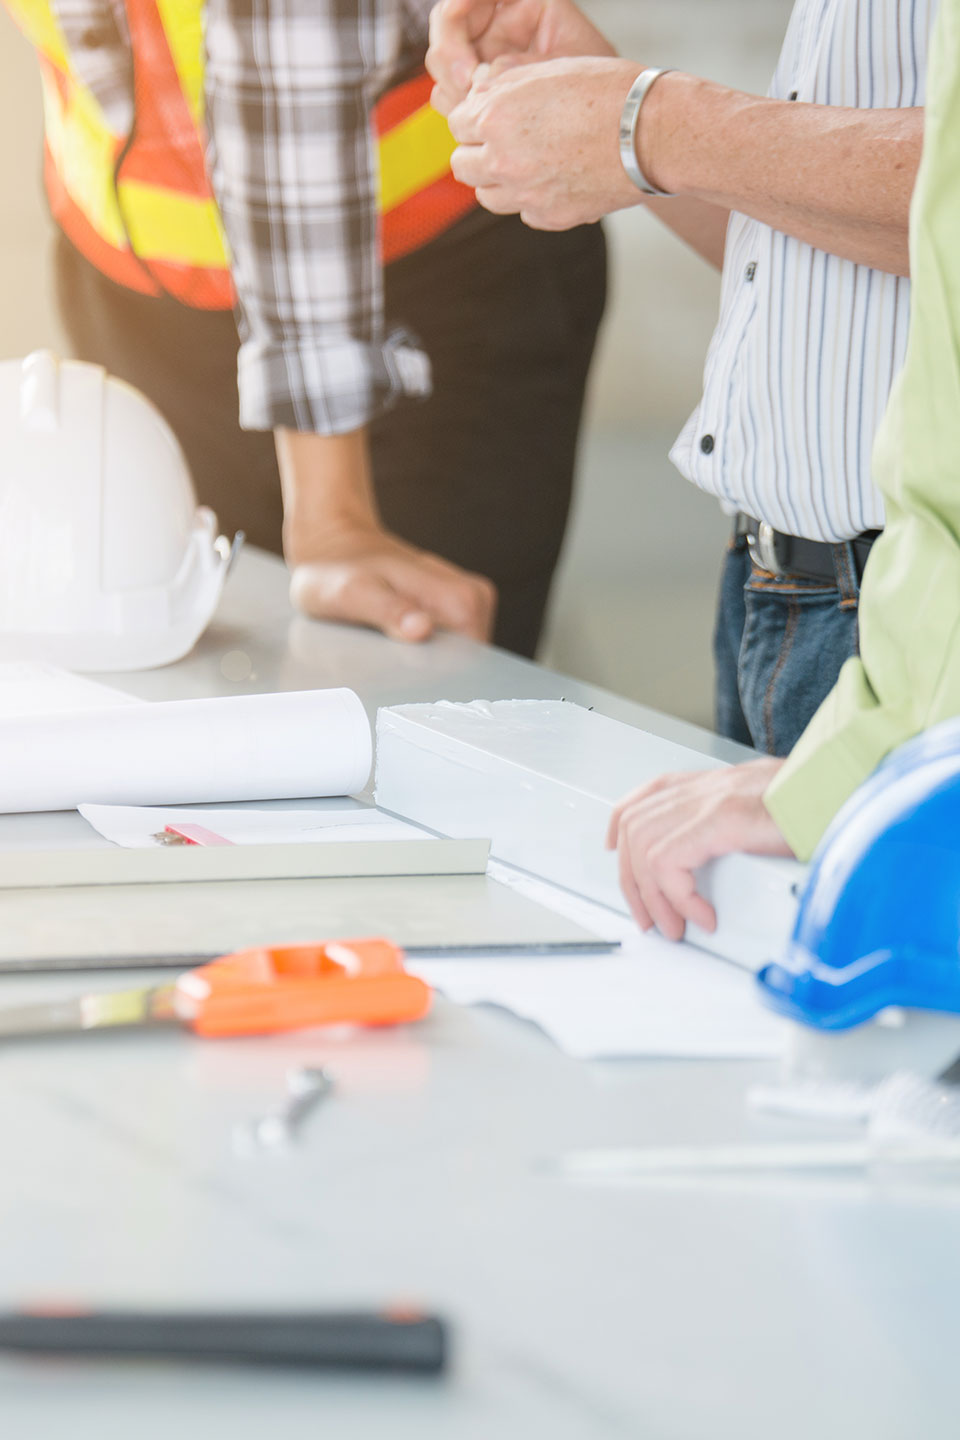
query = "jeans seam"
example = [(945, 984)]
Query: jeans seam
[(793, 619), (746, 635), (759, 586)]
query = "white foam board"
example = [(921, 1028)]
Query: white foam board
[(540, 778)]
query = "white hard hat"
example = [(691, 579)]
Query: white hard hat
[(106, 562)]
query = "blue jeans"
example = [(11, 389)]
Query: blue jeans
[(778, 647)]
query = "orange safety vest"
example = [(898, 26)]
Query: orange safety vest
[(141, 209)]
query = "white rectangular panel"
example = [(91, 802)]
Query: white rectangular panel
[(540, 777)]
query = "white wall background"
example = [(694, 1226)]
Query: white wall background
[(633, 603)]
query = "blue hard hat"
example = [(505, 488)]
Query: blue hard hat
[(879, 920)]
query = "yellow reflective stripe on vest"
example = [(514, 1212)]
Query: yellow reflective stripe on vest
[(413, 155), (183, 25), (168, 225), (84, 152), (162, 224)]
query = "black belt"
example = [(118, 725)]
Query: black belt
[(781, 554)]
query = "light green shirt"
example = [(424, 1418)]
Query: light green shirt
[(907, 676)]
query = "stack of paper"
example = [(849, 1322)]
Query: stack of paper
[(651, 999), (138, 826), (643, 1003)]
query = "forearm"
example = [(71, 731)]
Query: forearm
[(838, 179), (699, 224), (345, 566), (327, 487)]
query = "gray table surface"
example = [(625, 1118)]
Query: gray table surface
[(793, 1308)]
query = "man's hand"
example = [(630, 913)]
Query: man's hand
[(370, 577), (541, 140), (466, 33), (667, 829), (345, 566)]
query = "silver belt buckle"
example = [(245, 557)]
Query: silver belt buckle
[(763, 549)]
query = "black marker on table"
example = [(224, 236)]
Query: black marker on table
[(401, 1340)]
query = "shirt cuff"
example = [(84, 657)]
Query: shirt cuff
[(841, 747), (808, 792), (327, 387)]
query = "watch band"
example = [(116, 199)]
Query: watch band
[(629, 117)]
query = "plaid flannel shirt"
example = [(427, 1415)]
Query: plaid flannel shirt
[(289, 89)]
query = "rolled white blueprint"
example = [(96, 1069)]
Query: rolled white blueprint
[(185, 752)]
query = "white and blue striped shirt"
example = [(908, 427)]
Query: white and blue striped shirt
[(801, 362)]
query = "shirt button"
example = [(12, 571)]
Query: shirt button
[(793, 94), (706, 444), (750, 271)]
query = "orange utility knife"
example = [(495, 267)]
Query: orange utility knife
[(254, 992)]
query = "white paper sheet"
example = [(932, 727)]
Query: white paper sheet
[(136, 827), (651, 999), (29, 687), (181, 752)]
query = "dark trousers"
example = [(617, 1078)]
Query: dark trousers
[(779, 646), (481, 472)]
